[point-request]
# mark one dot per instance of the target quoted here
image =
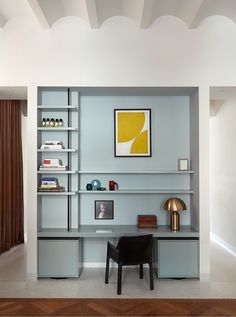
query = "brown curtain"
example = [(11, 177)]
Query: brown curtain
[(11, 176)]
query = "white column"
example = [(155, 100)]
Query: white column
[(31, 185), (204, 205)]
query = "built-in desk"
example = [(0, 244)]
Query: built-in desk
[(60, 252), (93, 231)]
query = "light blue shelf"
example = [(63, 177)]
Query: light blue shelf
[(137, 191), (136, 172), (57, 129), (58, 150)]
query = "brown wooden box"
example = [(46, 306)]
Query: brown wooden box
[(147, 221)]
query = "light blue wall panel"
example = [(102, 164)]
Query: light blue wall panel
[(170, 141), (128, 206), (170, 132)]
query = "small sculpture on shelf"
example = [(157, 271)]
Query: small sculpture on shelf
[(95, 185)]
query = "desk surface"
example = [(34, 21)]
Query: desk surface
[(107, 231)]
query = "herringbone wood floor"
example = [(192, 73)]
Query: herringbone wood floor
[(117, 307)]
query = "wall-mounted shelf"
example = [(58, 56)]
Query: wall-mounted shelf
[(57, 129), (136, 172), (57, 108), (57, 151), (137, 191), (57, 172), (41, 193)]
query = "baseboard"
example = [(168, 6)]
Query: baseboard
[(224, 244), (31, 277), (94, 264), (102, 264)]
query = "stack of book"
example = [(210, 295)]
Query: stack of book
[(52, 165), (50, 184), (52, 145)]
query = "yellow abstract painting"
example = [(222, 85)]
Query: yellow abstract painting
[(133, 132)]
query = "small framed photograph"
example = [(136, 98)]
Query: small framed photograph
[(132, 132), (104, 209), (183, 164)]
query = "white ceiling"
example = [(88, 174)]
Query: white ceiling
[(95, 12)]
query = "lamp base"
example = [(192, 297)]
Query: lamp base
[(174, 221)]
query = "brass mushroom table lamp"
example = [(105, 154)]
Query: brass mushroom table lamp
[(174, 205)]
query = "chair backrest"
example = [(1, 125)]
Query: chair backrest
[(135, 249)]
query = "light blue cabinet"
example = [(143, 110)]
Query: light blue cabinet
[(177, 258), (59, 257)]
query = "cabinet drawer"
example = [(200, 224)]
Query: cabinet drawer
[(58, 257), (178, 258)]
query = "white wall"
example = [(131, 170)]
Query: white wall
[(223, 171), (118, 54)]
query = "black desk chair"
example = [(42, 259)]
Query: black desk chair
[(131, 251)]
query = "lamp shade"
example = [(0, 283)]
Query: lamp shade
[(174, 204)]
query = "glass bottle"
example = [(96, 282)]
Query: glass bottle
[(48, 123), (61, 124), (43, 123), (52, 123), (56, 122)]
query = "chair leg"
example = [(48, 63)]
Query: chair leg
[(151, 276), (119, 279), (107, 270), (141, 271)]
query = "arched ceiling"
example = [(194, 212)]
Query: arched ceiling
[(95, 12)]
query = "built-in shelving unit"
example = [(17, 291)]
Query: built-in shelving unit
[(65, 202), (145, 183)]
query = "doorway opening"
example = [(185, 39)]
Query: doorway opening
[(223, 183), (13, 261)]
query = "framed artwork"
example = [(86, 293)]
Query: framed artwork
[(104, 209), (132, 132), (183, 164)]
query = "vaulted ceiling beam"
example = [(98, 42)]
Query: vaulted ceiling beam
[(3, 20), (144, 16), (192, 17), (38, 12), (92, 13)]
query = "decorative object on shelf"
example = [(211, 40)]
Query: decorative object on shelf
[(113, 185), (89, 186), (147, 221), (52, 145), (61, 123), (95, 184), (183, 164), (101, 188), (132, 132), (52, 164), (50, 184), (43, 123), (51, 123), (174, 205), (104, 209)]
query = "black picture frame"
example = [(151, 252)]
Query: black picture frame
[(104, 209), (124, 150)]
